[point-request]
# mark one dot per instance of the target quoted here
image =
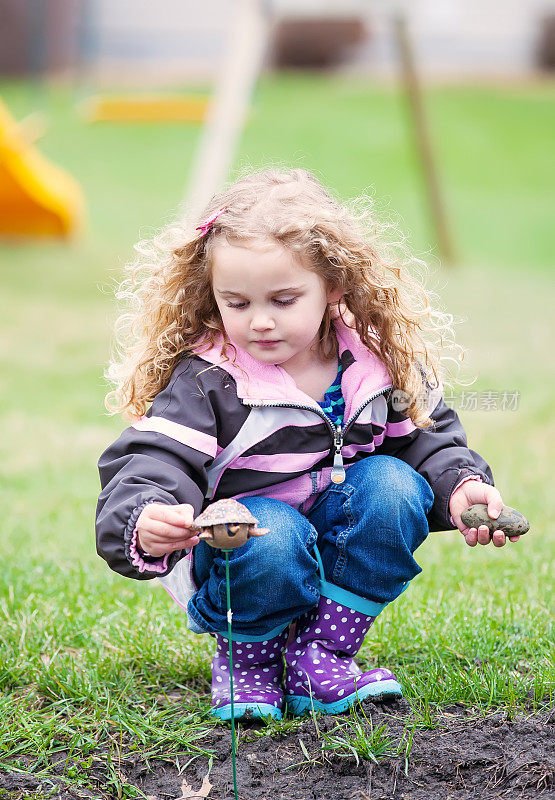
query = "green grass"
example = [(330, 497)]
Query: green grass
[(349, 738), (94, 665)]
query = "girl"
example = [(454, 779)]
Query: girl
[(291, 363)]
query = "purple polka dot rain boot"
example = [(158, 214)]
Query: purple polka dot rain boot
[(321, 673), (257, 674)]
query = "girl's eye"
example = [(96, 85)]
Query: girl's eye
[(287, 302)]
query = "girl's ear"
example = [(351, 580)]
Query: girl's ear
[(335, 295)]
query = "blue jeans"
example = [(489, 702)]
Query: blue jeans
[(366, 529)]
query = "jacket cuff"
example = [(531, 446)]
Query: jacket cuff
[(443, 488), (136, 557), (460, 483)]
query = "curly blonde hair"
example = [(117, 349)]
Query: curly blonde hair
[(169, 306)]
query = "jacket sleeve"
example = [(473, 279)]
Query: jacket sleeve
[(162, 458), (439, 453)]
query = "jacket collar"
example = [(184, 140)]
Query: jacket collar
[(260, 384)]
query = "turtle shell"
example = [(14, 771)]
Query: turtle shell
[(224, 512)]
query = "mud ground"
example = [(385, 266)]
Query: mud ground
[(465, 757)]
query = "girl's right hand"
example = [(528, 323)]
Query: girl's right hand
[(163, 528)]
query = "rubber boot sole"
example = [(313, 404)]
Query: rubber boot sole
[(297, 705), (248, 711)]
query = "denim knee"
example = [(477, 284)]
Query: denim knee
[(403, 494), (273, 578), (370, 525)]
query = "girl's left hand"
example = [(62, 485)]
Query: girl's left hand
[(468, 493)]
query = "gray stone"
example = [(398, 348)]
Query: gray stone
[(510, 521)]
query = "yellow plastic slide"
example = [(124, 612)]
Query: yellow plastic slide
[(36, 197)]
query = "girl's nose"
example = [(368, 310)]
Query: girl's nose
[(262, 322)]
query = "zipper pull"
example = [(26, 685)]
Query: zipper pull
[(338, 470)]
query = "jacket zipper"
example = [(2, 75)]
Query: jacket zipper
[(338, 433), (338, 470)]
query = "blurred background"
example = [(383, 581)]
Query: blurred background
[(180, 39), (117, 115)]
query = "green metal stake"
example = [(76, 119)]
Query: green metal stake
[(229, 615)]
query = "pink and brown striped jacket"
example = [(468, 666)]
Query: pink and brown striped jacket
[(222, 429)]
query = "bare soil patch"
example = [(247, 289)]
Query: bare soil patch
[(465, 757)]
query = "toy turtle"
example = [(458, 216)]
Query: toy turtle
[(510, 521), (227, 525)]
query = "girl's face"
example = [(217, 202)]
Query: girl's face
[(270, 304)]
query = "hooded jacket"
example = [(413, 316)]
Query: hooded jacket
[(221, 429)]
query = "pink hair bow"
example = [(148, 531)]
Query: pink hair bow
[(205, 226)]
